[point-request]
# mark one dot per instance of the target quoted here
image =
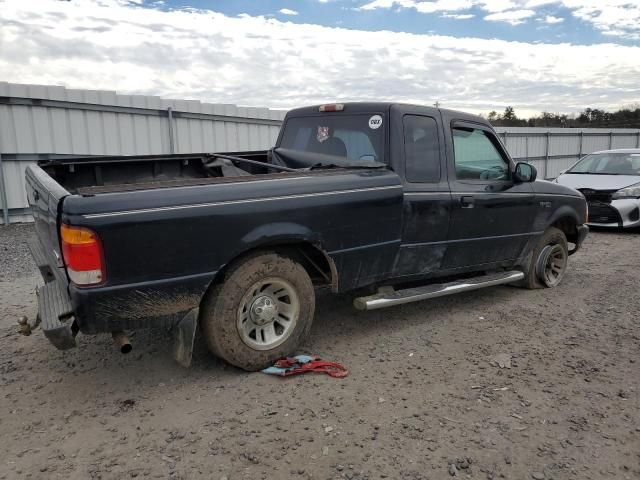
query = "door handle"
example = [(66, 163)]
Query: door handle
[(467, 201)]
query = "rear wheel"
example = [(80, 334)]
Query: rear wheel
[(549, 260), (261, 312)]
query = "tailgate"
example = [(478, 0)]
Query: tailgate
[(45, 196)]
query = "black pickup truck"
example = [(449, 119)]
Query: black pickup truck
[(395, 202)]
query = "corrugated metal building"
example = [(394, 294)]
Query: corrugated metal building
[(40, 122)]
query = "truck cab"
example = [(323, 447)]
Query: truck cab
[(466, 205)]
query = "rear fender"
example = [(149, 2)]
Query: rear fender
[(276, 235)]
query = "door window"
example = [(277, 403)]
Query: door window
[(477, 156), (421, 149)]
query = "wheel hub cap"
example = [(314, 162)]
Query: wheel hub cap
[(268, 313), (263, 310)]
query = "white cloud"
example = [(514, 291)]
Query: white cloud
[(514, 17), (499, 10), (612, 17), (458, 16), (496, 6), (422, 6), (287, 11), (550, 19), (114, 45), (443, 5)]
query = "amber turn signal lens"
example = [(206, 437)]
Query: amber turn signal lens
[(82, 254)]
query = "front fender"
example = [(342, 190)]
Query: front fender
[(564, 211)]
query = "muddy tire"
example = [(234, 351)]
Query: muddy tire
[(261, 312), (548, 262)]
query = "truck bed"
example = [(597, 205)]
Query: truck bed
[(93, 175)]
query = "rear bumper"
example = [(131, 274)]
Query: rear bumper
[(55, 312), (56, 315), (154, 304), (65, 309)]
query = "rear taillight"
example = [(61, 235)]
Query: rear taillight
[(82, 253)]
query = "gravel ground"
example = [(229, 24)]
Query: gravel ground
[(15, 258), (425, 398)]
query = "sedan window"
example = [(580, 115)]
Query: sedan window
[(612, 163)]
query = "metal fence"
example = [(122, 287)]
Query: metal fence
[(552, 150), (39, 122)]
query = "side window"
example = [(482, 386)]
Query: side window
[(476, 156), (421, 149)]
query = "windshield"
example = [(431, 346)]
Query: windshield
[(358, 138), (608, 164)]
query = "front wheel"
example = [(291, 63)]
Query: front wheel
[(549, 260), (261, 312)]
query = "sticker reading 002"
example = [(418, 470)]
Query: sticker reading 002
[(375, 122)]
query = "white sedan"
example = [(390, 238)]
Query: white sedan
[(610, 181)]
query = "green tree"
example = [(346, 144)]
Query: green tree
[(509, 114)]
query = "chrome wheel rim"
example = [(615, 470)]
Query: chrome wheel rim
[(268, 313), (552, 265)]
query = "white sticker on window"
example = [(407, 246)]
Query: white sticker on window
[(375, 122)]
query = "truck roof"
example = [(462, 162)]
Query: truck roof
[(368, 107)]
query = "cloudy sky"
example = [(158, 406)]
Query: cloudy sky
[(475, 55)]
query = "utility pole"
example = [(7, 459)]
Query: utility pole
[(437, 104)]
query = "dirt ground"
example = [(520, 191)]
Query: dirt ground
[(423, 399)]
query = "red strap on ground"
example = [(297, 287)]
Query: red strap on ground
[(332, 369)]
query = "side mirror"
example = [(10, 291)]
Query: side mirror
[(525, 172)]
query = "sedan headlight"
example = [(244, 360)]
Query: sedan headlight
[(632, 191)]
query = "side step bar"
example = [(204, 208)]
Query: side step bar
[(391, 298)]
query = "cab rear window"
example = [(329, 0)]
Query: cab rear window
[(355, 137)]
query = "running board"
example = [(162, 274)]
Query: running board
[(390, 298)]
